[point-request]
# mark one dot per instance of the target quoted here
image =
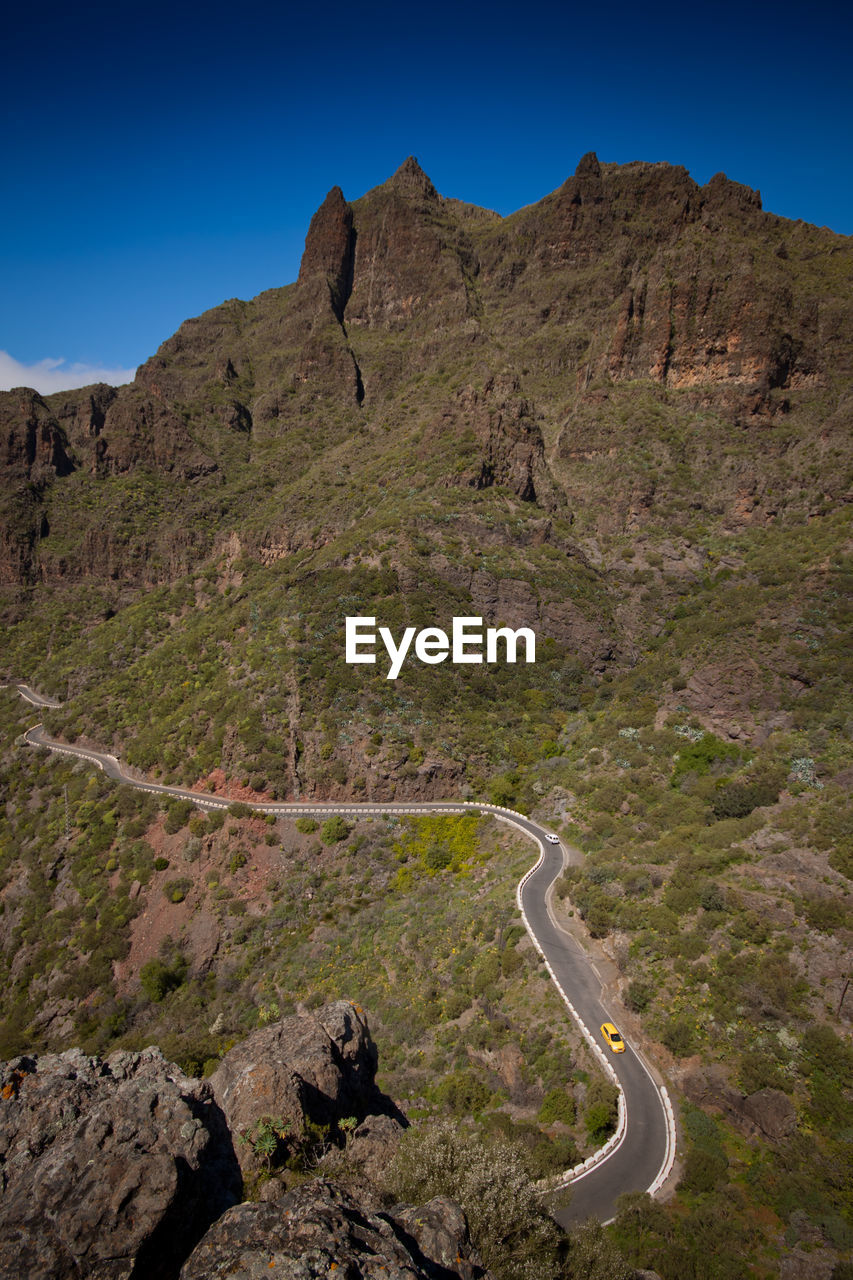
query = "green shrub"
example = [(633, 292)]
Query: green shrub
[(491, 1179), (159, 978), (455, 1004), (594, 1256), (306, 825), (760, 1070), (825, 1051), (558, 1107), (678, 1035), (486, 973), (601, 1113), (599, 1121), (749, 926), (712, 897), (639, 995), (334, 830), (266, 1138), (462, 1093), (177, 890), (698, 757), (704, 1169), (825, 914), (503, 790), (437, 858), (738, 799), (177, 815)]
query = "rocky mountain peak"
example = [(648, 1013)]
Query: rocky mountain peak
[(735, 197), (588, 166), (410, 180)]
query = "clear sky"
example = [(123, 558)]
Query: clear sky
[(160, 158)]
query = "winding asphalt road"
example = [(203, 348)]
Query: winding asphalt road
[(640, 1154)]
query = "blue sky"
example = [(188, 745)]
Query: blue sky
[(158, 159)]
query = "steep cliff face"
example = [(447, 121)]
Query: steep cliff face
[(408, 268), (35, 447), (656, 278), (35, 450), (329, 248)]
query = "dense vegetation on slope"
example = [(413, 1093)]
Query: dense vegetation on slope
[(171, 927)]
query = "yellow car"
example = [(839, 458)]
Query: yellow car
[(612, 1037)]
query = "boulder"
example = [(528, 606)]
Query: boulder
[(318, 1230), (317, 1067), (108, 1168), (768, 1111), (372, 1146), (772, 1111)]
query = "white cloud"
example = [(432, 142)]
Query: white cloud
[(50, 375)]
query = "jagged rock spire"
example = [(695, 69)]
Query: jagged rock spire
[(328, 248)]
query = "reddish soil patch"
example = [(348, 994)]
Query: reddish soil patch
[(201, 923), (216, 784)]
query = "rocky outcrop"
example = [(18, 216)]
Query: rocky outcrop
[(691, 285), (34, 446), (515, 602), (82, 415), (768, 1111), (723, 696), (140, 430), (810, 1264), (109, 1169), (313, 1067), (677, 325), (319, 1230), (511, 450), (409, 267), (126, 1168), (772, 1112)]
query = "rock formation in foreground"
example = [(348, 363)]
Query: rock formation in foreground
[(318, 1230), (108, 1168), (126, 1167)]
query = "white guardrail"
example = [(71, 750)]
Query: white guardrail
[(511, 817), (615, 1140)]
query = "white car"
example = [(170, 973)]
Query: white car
[(553, 839)]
